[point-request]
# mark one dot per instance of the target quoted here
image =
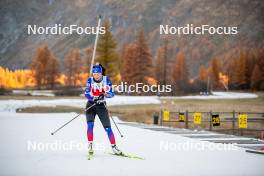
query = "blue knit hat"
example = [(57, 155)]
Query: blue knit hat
[(97, 69)]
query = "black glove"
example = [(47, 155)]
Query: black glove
[(99, 100)]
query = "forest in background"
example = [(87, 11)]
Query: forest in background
[(136, 64)]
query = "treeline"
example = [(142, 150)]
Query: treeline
[(16, 79), (244, 71), (241, 71), (247, 70), (48, 72), (74, 71)]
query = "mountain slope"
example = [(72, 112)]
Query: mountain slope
[(17, 47)]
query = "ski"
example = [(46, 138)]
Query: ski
[(127, 156), (255, 151), (90, 156), (90, 151)]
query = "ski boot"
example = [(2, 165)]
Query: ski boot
[(116, 150), (90, 148)]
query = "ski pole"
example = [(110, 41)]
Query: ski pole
[(113, 121), (72, 119), (95, 43)]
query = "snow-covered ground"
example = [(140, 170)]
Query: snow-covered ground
[(48, 93), (219, 95), (12, 105), (20, 132), (27, 148)]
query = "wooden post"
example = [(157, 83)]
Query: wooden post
[(161, 117), (186, 119), (210, 121), (233, 122)]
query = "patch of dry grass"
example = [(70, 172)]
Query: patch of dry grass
[(249, 105), (53, 109), (135, 113)]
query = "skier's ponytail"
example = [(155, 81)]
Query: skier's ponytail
[(103, 72)]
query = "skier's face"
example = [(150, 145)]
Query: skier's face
[(97, 76)]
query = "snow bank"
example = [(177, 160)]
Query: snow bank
[(219, 95), (12, 105), (48, 93)]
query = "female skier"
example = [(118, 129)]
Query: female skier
[(98, 87)]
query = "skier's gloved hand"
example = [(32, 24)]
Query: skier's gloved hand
[(99, 100)]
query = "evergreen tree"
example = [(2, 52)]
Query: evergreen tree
[(107, 55)]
